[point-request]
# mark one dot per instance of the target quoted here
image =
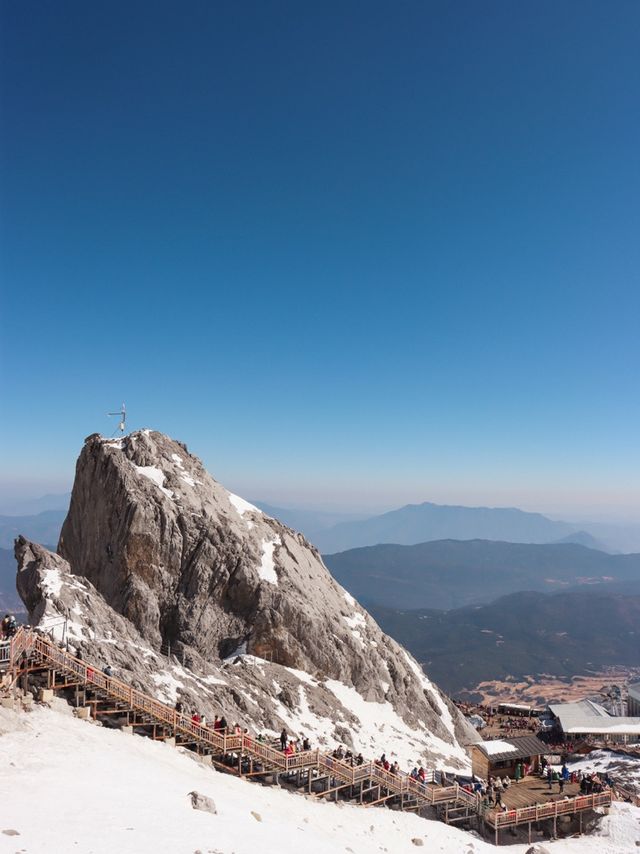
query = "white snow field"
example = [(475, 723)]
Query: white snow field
[(69, 786)]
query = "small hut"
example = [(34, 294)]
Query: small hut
[(500, 756)]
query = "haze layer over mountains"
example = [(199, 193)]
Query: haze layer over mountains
[(333, 532), (421, 523)]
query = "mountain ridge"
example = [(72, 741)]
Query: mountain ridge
[(519, 636), (43, 526), (322, 526), (419, 523), (447, 574)]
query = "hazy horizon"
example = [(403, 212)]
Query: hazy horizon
[(375, 504)]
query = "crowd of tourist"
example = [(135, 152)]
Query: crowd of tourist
[(346, 755), (8, 627), (518, 726), (490, 793), (287, 745)]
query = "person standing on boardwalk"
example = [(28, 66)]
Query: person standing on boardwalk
[(283, 740), (518, 774)]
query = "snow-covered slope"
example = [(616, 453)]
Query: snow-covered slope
[(69, 786)]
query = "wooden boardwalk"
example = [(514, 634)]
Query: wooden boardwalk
[(535, 790), (320, 774)]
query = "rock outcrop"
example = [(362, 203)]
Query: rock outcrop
[(191, 566)]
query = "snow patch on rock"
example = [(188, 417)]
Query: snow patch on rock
[(155, 475), (242, 506), (51, 582), (267, 568), (168, 685), (379, 722)]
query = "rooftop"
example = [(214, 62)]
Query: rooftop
[(512, 748), (571, 714), (588, 717)]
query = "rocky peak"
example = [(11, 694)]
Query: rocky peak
[(189, 564)]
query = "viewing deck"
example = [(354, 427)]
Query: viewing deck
[(531, 801), (535, 790)]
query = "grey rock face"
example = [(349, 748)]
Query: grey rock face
[(187, 563)]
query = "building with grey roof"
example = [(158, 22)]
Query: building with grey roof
[(633, 700), (587, 719)]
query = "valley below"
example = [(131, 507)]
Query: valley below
[(524, 639), (544, 688)]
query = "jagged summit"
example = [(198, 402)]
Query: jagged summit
[(189, 564)]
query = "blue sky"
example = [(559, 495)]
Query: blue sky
[(354, 254)]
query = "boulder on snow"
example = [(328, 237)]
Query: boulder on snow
[(202, 802), (537, 849)]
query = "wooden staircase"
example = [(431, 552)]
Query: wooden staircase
[(321, 774)]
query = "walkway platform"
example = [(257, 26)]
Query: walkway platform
[(318, 773)]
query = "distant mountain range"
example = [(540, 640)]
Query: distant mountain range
[(312, 523), (33, 506), (582, 538), (420, 523), (454, 573), (331, 532), (43, 528), (523, 634)]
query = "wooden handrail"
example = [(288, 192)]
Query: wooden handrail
[(228, 743), (304, 759), (26, 640), (621, 793), (549, 810)]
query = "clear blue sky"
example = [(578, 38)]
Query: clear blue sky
[(354, 254)]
